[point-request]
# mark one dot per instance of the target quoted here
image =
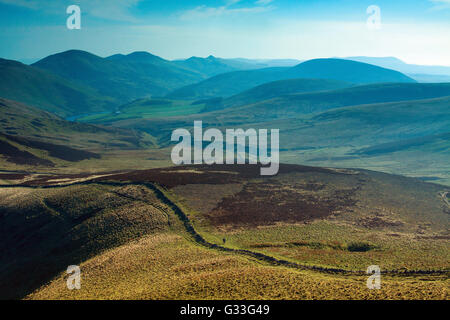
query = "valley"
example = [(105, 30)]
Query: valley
[(86, 178)]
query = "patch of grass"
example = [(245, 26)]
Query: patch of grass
[(64, 226), (166, 266)]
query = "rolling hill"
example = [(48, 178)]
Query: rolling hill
[(376, 126), (17, 119), (211, 66), (407, 137), (219, 113), (225, 85), (33, 137), (292, 105), (372, 123), (148, 234), (47, 91), (124, 77), (274, 89)]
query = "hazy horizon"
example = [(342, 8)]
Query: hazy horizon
[(415, 32)]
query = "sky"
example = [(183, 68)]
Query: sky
[(416, 31)]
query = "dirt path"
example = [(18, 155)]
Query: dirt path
[(263, 257), (198, 238)]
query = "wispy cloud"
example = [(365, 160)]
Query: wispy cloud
[(22, 3), (229, 7), (111, 10), (440, 5), (263, 2)]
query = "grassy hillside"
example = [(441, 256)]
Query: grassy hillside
[(17, 119), (345, 70), (275, 89), (374, 123), (228, 84), (128, 228), (298, 106), (185, 271), (47, 91), (407, 137), (123, 77), (33, 139), (145, 109), (261, 106), (45, 231), (303, 103)]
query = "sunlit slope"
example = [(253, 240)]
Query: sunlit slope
[(29, 122), (169, 267), (44, 231), (33, 138), (346, 219)]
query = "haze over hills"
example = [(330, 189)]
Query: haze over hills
[(225, 85), (268, 63), (399, 65), (138, 74), (209, 66), (293, 98)]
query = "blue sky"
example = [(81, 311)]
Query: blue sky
[(416, 31)]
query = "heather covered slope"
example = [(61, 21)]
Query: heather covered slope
[(127, 228)]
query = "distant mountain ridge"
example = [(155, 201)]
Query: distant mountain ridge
[(228, 84), (123, 77), (399, 65), (209, 66)]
